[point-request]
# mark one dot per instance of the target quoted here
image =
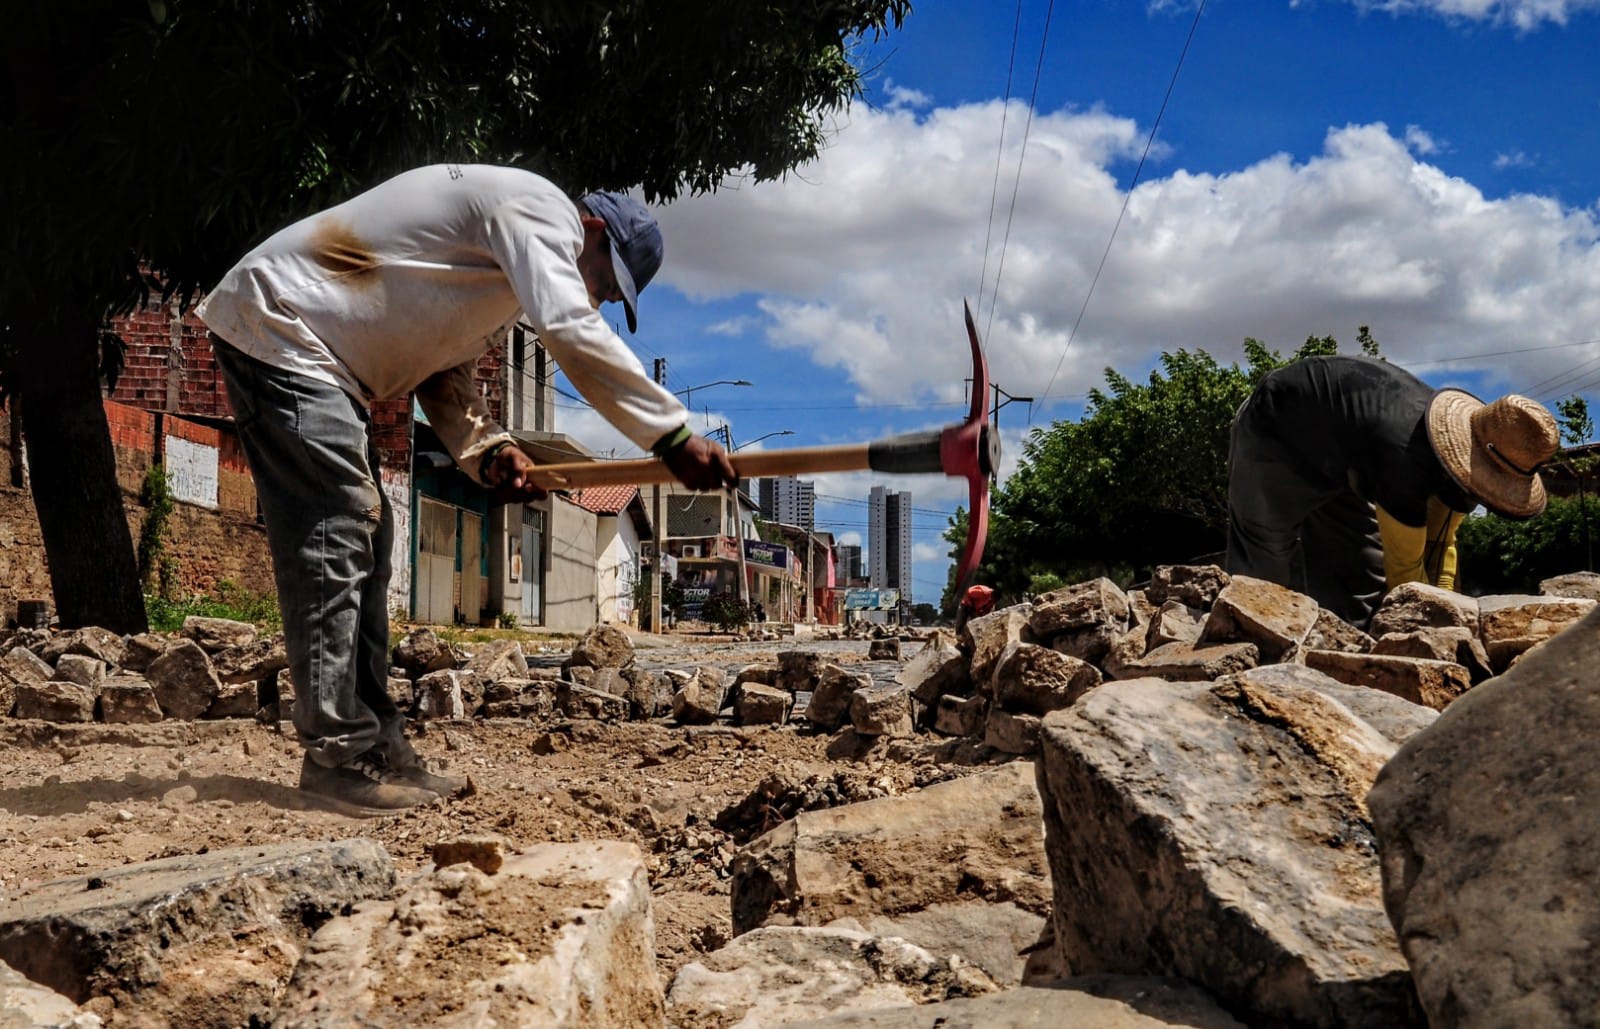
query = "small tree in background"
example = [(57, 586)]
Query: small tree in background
[(1577, 429), (726, 611)]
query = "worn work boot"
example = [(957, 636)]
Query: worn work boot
[(365, 780), (409, 767)]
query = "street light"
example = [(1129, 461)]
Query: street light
[(758, 439), (687, 393)]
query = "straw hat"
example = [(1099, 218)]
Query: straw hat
[(1493, 451)]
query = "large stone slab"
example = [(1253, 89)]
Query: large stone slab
[(1084, 605), (422, 651), (205, 939), (1512, 625), (251, 662), (214, 634), (1273, 617), (1189, 662), (1417, 679), (27, 1005), (1487, 825), (1219, 833), (1417, 605), (1100, 1002), (184, 681), (975, 839), (604, 646), (498, 659), (776, 975), (55, 701), (830, 703), (561, 936), (1397, 719), (1037, 680), (1194, 585), (937, 670), (986, 636), (1573, 584)]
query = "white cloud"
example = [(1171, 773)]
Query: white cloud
[(1420, 141), (1525, 15), (1514, 159), (862, 260), (905, 96)]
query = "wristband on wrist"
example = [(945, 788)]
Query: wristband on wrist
[(488, 456), (671, 441)]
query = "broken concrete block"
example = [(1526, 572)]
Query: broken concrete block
[(960, 716), (1188, 662), (830, 704), (1125, 649), (935, 670), (1585, 585), (1330, 632), (485, 853), (1174, 622), (452, 693), (519, 698), (696, 704), (1090, 644), (1429, 683), (128, 699), (398, 687), (974, 840), (422, 651), (88, 672), (1085, 605), (55, 701), (1509, 625), (1418, 605), (781, 974), (1193, 585), (1175, 811), (798, 671), (234, 700), (1275, 618), (762, 705), (26, 1005), (1485, 824), (1011, 732), (884, 650), (184, 680), (214, 634), (140, 650), (570, 938), (206, 939), (578, 701), (987, 635), (760, 674), (24, 665), (1140, 609), (91, 641), (1396, 719), (8, 695), (1453, 643), (1037, 680), (498, 659), (251, 662), (882, 711), (604, 646)]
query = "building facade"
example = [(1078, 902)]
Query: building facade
[(889, 541), (790, 500)]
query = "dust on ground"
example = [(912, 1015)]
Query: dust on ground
[(75, 799)]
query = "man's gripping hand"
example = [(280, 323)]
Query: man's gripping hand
[(700, 464), (507, 471)]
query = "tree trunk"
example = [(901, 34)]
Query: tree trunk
[(74, 477)]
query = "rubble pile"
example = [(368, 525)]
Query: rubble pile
[(1203, 801)]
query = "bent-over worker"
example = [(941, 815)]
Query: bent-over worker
[(403, 288), (1348, 476)]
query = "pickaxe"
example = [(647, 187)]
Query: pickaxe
[(969, 449)]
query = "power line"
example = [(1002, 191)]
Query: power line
[(999, 152), (1149, 142)]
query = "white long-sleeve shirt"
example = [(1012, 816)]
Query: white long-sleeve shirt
[(405, 286)]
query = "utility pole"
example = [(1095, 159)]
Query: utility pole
[(998, 403), (659, 530)]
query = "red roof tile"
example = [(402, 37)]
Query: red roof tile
[(609, 500)]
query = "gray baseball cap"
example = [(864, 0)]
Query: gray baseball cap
[(635, 245)]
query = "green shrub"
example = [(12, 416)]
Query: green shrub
[(1504, 555), (231, 601), (726, 611)]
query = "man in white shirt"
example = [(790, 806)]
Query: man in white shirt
[(402, 289)]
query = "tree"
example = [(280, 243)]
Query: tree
[(1140, 480), (158, 141), (1577, 429), (1512, 555)]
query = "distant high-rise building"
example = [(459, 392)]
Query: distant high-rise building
[(789, 500), (847, 559), (889, 541)]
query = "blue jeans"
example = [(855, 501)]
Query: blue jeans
[(330, 529)]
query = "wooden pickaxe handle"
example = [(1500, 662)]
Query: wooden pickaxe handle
[(757, 464)]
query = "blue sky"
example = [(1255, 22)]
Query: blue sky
[(1430, 168)]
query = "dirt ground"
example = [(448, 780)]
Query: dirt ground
[(77, 799)]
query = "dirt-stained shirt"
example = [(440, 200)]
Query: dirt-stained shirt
[(405, 286)]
